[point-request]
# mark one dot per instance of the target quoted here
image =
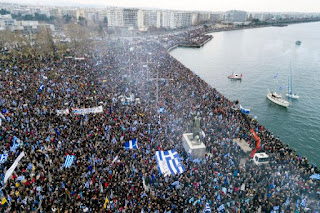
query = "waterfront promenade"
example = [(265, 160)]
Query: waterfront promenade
[(105, 177)]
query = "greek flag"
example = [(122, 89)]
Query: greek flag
[(41, 87), (207, 208), (3, 158), (132, 144), (287, 203), (69, 160), (161, 110), (303, 202), (315, 176), (169, 162), (16, 143), (244, 111), (275, 75), (221, 208)]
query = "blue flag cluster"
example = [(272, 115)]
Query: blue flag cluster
[(169, 162), (132, 144)]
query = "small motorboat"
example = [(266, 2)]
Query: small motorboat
[(235, 76)]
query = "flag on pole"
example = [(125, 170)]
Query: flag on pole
[(303, 202), (3, 158), (105, 202), (41, 88), (161, 110), (57, 132), (132, 144), (207, 208), (69, 160), (221, 208)]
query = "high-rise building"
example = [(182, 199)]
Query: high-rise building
[(115, 17), (235, 16), (130, 17)]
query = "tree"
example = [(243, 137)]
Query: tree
[(105, 21), (4, 12), (82, 21), (67, 18), (43, 43), (79, 36)]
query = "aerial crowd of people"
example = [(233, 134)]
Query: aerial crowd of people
[(131, 79)]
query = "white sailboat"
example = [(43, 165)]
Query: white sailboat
[(290, 93), (277, 99)]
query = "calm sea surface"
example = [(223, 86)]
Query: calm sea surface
[(259, 54)]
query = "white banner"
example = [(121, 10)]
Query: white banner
[(13, 167), (87, 110), (62, 111)]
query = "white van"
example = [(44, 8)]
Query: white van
[(261, 158)]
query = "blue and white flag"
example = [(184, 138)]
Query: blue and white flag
[(161, 110), (287, 203), (41, 87), (69, 160), (275, 75), (244, 111), (169, 162), (3, 158), (132, 144), (221, 208), (16, 144), (207, 209), (303, 202), (57, 132), (315, 176)]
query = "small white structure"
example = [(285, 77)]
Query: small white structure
[(261, 158), (190, 146)]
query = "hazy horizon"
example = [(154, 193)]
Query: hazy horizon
[(201, 5)]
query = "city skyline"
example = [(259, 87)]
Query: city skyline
[(202, 5)]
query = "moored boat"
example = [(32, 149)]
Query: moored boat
[(294, 96), (235, 76), (277, 99)]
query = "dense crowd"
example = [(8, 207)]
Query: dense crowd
[(105, 177)]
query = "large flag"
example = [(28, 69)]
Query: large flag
[(169, 162), (244, 111), (132, 144), (13, 167), (69, 160)]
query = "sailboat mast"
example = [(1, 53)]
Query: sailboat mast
[(291, 84), (288, 86)]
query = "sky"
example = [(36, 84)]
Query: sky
[(196, 5)]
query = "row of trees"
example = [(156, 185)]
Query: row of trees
[(43, 43)]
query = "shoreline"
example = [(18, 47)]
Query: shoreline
[(206, 41), (231, 29)]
